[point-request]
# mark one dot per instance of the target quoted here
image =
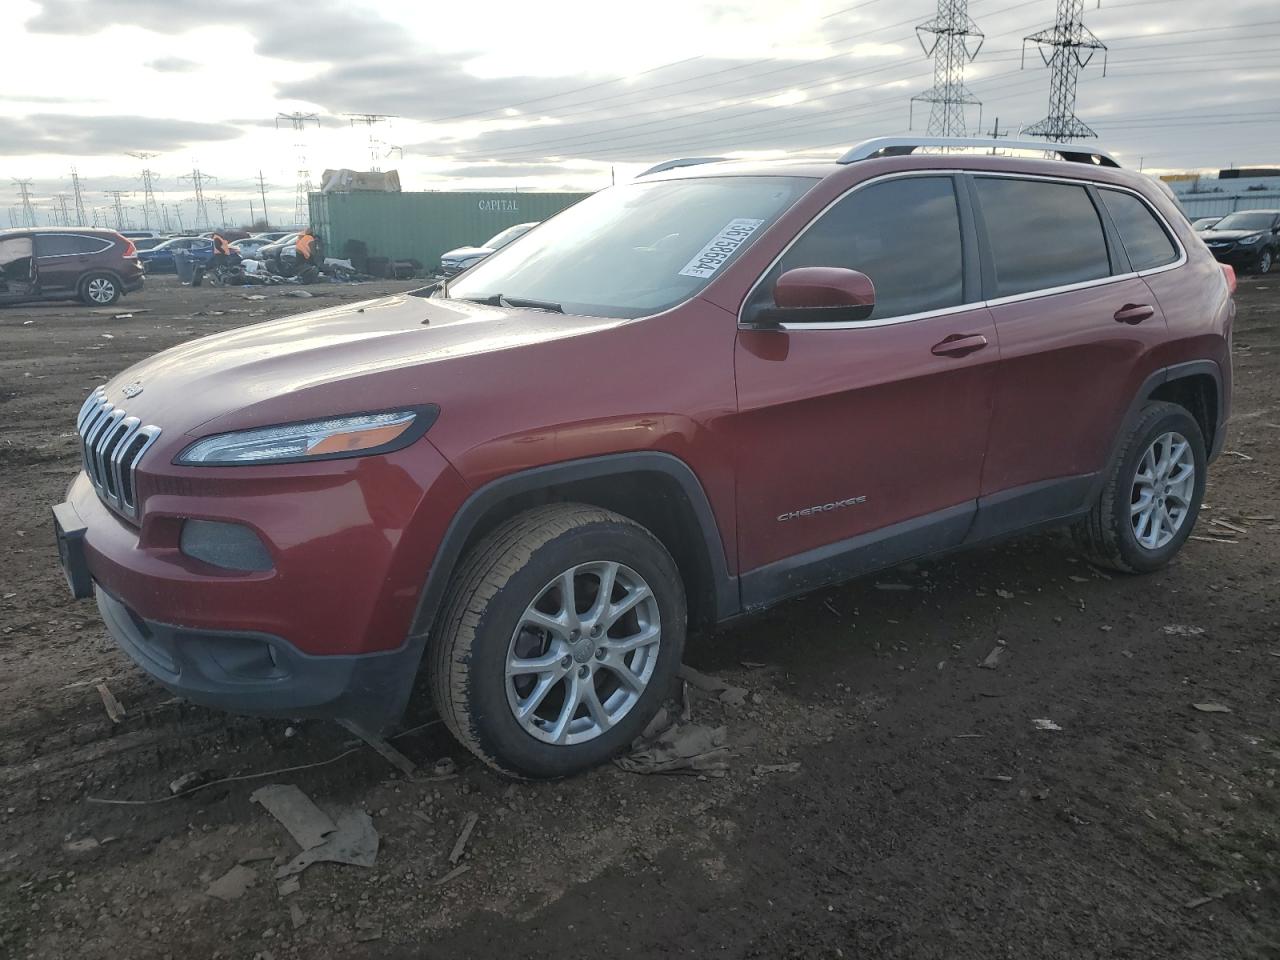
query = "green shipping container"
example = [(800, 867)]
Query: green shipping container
[(422, 226)]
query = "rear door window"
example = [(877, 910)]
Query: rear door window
[(904, 234), (1042, 234), (1145, 240), (68, 244)]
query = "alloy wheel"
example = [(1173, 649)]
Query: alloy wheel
[(1162, 490), (101, 290), (583, 653)]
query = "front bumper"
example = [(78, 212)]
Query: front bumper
[(1237, 255), (323, 632), (260, 674)]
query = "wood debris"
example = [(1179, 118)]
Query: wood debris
[(460, 845), (114, 708)]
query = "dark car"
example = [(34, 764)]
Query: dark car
[(1248, 239), (67, 263), (279, 255), (462, 258), (686, 399), (159, 259), (1201, 224)]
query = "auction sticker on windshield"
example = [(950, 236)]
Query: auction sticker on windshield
[(714, 255)]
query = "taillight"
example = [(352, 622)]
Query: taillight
[(130, 249), (1229, 272)]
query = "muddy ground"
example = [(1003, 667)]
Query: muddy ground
[(924, 814)]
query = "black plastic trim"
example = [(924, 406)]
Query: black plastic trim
[(846, 559), (426, 415), (1022, 509), (473, 510)]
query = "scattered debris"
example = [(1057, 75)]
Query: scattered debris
[(296, 916), (1211, 539), (452, 875), (114, 708), (1182, 630), (287, 887), (232, 884), (81, 846), (1211, 708), (367, 930), (256, 855), (1004, 594), (992, 659), (1074, 578), (354, 842), (753, 664), (444, 768), (388, 752), (681, 748), (1207, 898), (1000, 778), (763, 769), (306, 823), (896, 587), (1237, 453), (830, 606), (300, 294), (1041, 723), (968, 736), (188, 782), (1262, 518), (1229, 526), (460, 845)]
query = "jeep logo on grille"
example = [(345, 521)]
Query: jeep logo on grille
[(133, 389)]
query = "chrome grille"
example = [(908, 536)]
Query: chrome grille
[(112, 443)]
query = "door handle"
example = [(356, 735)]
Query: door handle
[(959, 344), (1134, 313)]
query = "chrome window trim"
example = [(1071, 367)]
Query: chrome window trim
[(976, 304)]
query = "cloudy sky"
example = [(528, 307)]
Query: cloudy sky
[(564, 94)]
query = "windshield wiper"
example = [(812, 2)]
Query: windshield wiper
[(498, 300)]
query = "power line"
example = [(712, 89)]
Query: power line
[(1072, 47), (371, 120), (149, 204), (198, 179), (81, 218), (953, 33), (298, 123), (117, 201)]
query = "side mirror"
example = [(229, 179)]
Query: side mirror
[(819, 295)]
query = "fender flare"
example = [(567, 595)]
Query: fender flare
[(724, 586)]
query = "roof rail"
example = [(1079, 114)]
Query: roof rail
[(901, 146), (681, 162)]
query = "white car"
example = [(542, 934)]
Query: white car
[(462, 258)]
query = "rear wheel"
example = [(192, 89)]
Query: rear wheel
[(559, 638), (1151, 500), (1265, 261), (100, 289)]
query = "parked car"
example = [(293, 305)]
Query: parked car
[(271, 236), (159, 259), (1248, 239), (67, 263), (461, 258), (147, 243), (684, 399), (1204, 223), (280, 254), (249, 247)]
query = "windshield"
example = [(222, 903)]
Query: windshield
[(1245, 221), (635, 249), (507, 235)]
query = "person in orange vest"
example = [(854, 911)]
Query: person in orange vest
[(222, 252), (310, 248)]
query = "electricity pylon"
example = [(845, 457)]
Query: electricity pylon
[(1066, 48), (956, 41)]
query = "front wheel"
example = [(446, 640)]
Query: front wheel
[(558, 640), (99, 290), (1151, 499), (1265, 261)]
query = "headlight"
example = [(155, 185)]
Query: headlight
[(353, 436), (1252, 238)]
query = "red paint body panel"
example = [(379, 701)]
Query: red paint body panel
[(1068, 371), (827, 415)]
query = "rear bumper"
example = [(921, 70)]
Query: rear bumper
[(261, 674)]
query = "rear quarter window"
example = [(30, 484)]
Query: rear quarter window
[(1145, 240), (1042, 234)]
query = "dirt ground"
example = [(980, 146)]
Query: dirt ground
[(887, 797)]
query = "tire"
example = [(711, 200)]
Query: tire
[(1113, 533), (1266, 260), (100, 290), (485, 623)]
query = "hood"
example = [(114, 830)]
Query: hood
[(360, 356), (465, 253), (1207, 235)]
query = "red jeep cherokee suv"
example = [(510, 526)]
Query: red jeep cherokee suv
[(682, 400)]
